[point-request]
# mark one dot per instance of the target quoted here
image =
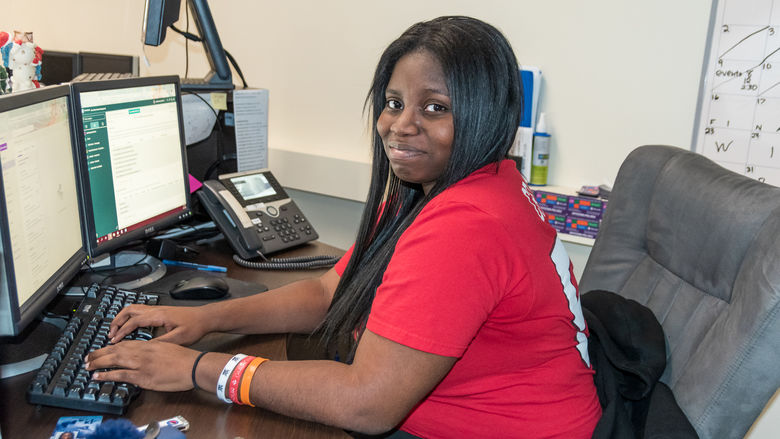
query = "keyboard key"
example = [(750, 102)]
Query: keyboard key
[(56, 355), (75, 392), (90, 394), (46, 373), (121, 394), (144, 334), (59, 389), (41, 380), (37, 387), (105, 391)]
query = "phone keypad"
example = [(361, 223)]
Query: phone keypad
[(286, 231)]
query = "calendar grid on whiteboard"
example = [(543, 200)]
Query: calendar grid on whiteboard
[(738, 122)]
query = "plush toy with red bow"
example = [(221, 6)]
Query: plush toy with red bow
[(22, 58)]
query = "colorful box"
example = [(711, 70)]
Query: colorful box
[(585, 207), (551, 200), (581, 234), (556, 210), (557, 221), (571, 214), (585, 215), (582, 226)]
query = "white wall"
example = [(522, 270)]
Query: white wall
[(617, 74)]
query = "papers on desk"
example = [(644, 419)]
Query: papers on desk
[(531, 78)]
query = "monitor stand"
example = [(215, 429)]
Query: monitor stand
[(26, 352), (126, 269)]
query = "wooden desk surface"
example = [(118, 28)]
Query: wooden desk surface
[(208, 417)]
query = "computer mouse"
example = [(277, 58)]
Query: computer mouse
[(200, 288)]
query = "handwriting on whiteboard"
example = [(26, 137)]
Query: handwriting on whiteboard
[(739, 124)]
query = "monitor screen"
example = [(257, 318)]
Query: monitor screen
[(59, 67), (107, 63), (133, 162), (41, 246)]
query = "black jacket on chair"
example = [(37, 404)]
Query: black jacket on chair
[(627, 349)]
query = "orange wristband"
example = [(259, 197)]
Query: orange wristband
[(246, 380)]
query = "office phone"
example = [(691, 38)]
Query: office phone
[(254, 213)]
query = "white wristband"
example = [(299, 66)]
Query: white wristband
[(224, 377)]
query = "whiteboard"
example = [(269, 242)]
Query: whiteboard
[(738, 124)]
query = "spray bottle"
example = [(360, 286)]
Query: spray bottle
[(541, 153)]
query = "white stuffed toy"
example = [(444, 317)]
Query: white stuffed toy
[(22, 62)]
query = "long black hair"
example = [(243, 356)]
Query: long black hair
[(482, 77)]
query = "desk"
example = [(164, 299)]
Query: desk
[(208, 417)]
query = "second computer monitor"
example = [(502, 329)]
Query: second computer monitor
[(40, 229), (133, 159)]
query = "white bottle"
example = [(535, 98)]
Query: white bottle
[(541, 153)]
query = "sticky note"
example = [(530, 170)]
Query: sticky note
[(219, 101)]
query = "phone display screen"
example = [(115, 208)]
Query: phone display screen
[(253, 186)]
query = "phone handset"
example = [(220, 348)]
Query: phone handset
[(233, 213)]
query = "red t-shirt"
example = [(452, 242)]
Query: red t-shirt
[(479, 275)]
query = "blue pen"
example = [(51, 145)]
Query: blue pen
[(201, 267)]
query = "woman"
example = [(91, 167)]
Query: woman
[(457, 305)]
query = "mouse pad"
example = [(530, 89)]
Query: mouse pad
[(238, 288)]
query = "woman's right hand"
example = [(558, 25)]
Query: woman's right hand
[(184, 325)]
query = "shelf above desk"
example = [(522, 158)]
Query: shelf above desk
[(581, 240)]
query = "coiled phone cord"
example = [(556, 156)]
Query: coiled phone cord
[(296, 263)]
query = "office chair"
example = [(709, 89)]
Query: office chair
[(700, 246)]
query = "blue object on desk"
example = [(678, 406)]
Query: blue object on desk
[(115, 429), (169, 432), (201, 267)]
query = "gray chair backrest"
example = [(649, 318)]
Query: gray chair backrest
[(700, 246)]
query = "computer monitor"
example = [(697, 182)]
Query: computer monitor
[(158, 15), (90, 62), (41, 247), (133, 165), (161, 14), (59, 67)]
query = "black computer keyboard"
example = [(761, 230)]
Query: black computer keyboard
[(62, 381), (91, 76)]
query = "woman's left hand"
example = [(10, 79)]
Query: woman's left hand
[(150, 364)]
